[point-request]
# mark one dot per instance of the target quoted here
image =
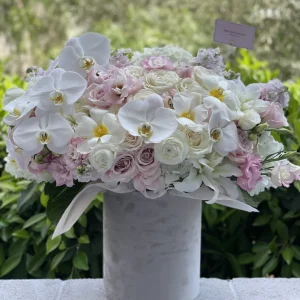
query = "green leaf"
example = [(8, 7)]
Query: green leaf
[(70, 234), (52, 244), (34, 219), (262, 220), (57, 259), (82, 220), (270, 265), (296, 250), (2, 254), (18, 248), (27, 197), (260, 247), (59, 199), (8, 265), (44, 199), (33, 263), (21, 233), (245, 258), (260, 259), (80, 261), (296, 269), (282, 230), (84, 239), (288, 255)]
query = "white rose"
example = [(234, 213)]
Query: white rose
[(132, 142), (250, 119), (173, 150), (160, 81), (12, 94), (142, 94), (267, 145), (135, 71), (200, 72), (102, 157), (199, 143)]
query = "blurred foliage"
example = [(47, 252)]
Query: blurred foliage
[(235, 243), (35, 29)]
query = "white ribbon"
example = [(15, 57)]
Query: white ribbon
[(80, 203)]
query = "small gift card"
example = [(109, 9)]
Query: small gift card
[(237, 35)]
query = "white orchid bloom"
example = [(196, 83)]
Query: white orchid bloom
[(148, 118), (58, 91), (189, 110), (223, 133), (83, 53), (101, 127), (12, 94), (219, 96), (52, 131)]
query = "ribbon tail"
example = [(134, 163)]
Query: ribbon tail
[(76, 208), (235, 203)]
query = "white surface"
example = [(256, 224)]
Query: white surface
[(92, 289), (147, 257)]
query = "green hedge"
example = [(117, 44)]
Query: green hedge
[(234, 243)]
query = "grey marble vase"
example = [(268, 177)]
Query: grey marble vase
[(151, 247)]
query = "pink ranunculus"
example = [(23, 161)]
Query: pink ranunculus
[(157, 63), (251, 172), (123, 170), (119, 87), (274, 116), (145, 160), (285, 173), (94, 96), (60, 172), (73, 158), (184, 71)]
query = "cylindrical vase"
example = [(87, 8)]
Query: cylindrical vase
[(151, 247)]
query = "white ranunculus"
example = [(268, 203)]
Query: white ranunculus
[(185, 85), (249, 120), (199, 142), (189, 110), (267, 145), (52, 130), (58, 91), (135, 71), (82, 54), (142, 94), (102, 157), (101, 127), (223, 133), (173, 150), (160, 81), (148, 118), (12, 94)]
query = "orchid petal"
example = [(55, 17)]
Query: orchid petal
[(97, 115), (69, 60), (154, 102), (181, 103), (85, 127), (190, 183), (57, 74)]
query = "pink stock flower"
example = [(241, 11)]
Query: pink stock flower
[(73, 158), (285, 173), (119, 87), (123, 170), (274, 116), (60, 172), (143, 182), (251, 172), (157, 63)]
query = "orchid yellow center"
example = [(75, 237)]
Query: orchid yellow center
[(217, 93), (216, 134), (188, 115), (16, 112), (145, 130), (43, 137), (100, 131), (57, 97), (87, 63)]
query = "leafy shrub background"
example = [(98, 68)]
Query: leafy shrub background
[(235, 243)]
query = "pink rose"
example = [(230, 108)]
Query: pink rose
[(285, 173), (157, 63), (274, 116), (119, 87), (123, 170), (145, 160), (251, 172)]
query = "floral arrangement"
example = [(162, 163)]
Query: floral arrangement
[(155, 121)]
